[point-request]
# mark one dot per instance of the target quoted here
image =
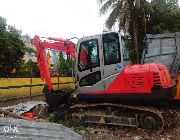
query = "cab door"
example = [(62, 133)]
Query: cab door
[(89, 65), (112, 57)]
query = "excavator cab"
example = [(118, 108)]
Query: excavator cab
[(98, 61)]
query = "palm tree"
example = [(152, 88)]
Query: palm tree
[(126, 13)]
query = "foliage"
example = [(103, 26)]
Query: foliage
[(164, 16), (29, 69), (65, 65), (29, 50), (12, 48)]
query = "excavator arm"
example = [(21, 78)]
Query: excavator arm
[(58, 44)]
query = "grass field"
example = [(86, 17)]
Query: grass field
[(14, 90)]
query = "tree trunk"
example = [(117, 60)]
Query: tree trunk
[(136, 41), (133, 17)]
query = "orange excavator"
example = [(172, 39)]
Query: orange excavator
[(108, 90)]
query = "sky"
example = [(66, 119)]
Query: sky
[(57, 18)]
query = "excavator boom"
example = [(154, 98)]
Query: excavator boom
[(58, 44)]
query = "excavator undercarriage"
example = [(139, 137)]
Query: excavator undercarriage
[(150, 117)]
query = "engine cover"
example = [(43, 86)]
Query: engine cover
[(137, 82)]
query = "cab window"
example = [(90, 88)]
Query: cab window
[(88, 55), (111, 49)]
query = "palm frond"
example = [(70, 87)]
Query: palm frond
[(107, 5), (113, 16)]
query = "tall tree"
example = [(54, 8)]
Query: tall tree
[(11, 48), (126, 13), (138, 17)]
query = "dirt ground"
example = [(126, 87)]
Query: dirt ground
[(130, 134)]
